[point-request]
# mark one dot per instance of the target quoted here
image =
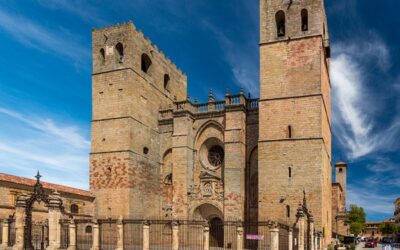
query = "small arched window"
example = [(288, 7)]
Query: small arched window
[(102, 55), (168, 180), (290, 172), (304, 20), (146, 63), (280, 23), (120, 52), (289, 131), (288, 211), (74, 209), (340, 170), (88, 229), (166, 82)]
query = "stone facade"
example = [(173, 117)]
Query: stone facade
[(77, 203), (295, 112), (155, 153), (372, 229)]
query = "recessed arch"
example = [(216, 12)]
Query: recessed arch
[(206, 125), (145, 63), (120, 52), (102, 55), (166, 82), (280, 20), (304, 20)]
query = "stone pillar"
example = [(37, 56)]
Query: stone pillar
[(175, 235), (20, 209), (300, 226), (95, 236), (72, 235), (290, 239), (146, 235), (315, 240), (239, 237), (4, 243), (120, 234), (206, 237), (55, 205), (274, 232), (311, 232)]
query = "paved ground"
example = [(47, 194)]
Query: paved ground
[(362, 244)]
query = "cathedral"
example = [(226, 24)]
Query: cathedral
[(157, 154)]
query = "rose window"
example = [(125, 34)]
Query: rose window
[(216, 156)]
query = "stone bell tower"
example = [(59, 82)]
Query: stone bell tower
[(295, 112), (131, 80)]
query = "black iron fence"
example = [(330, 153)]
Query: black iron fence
[(191, 235), (133, 234), (11, 232), (84, 234), (283, 237), (108, 234), (64, 242)]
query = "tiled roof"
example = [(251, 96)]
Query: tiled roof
[(46, 185)]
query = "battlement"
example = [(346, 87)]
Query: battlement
[(130, 26), (231, 102)]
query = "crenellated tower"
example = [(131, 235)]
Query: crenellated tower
[(294, 148), (131, 80)]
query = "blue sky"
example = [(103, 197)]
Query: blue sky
[(45, 79)]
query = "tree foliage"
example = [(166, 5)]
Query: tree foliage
[(389, 228), (355, 218)]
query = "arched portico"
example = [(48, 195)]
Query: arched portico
[(214, 217)]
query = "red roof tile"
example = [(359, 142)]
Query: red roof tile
[(46, 185)]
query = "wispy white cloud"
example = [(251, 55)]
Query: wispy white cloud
[(354, 109), (30, 142), (84, 9), (372, 202), (34, 35), (241, 57)]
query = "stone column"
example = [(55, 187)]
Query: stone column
[(206, 237), (300, 226), (274, 232), (175, 235), (55, 204), (290, 239), (120, 234), (4, 243), (72, 235), (146, 235), (96, 236), (239, 237), (315, 240), (311, 232), (20, 210)]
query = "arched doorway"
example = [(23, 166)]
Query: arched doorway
[(216, 232), (213, 215)]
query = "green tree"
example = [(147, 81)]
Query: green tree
[(389, 228), (355, 218)]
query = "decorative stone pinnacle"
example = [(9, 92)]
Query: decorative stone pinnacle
[(38, 176), (227, 91), (211, 96)]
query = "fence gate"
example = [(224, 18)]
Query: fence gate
[(39, 235)]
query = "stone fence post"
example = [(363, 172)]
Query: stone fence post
[(96, 236), (311, 233), (72, 235), (300, 227), (274, 233), (146, 235), (206, 236), (55, 204), (290, 239), (120, 234), (20, 208), (175, 235), (4, 243), (239, 237)]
